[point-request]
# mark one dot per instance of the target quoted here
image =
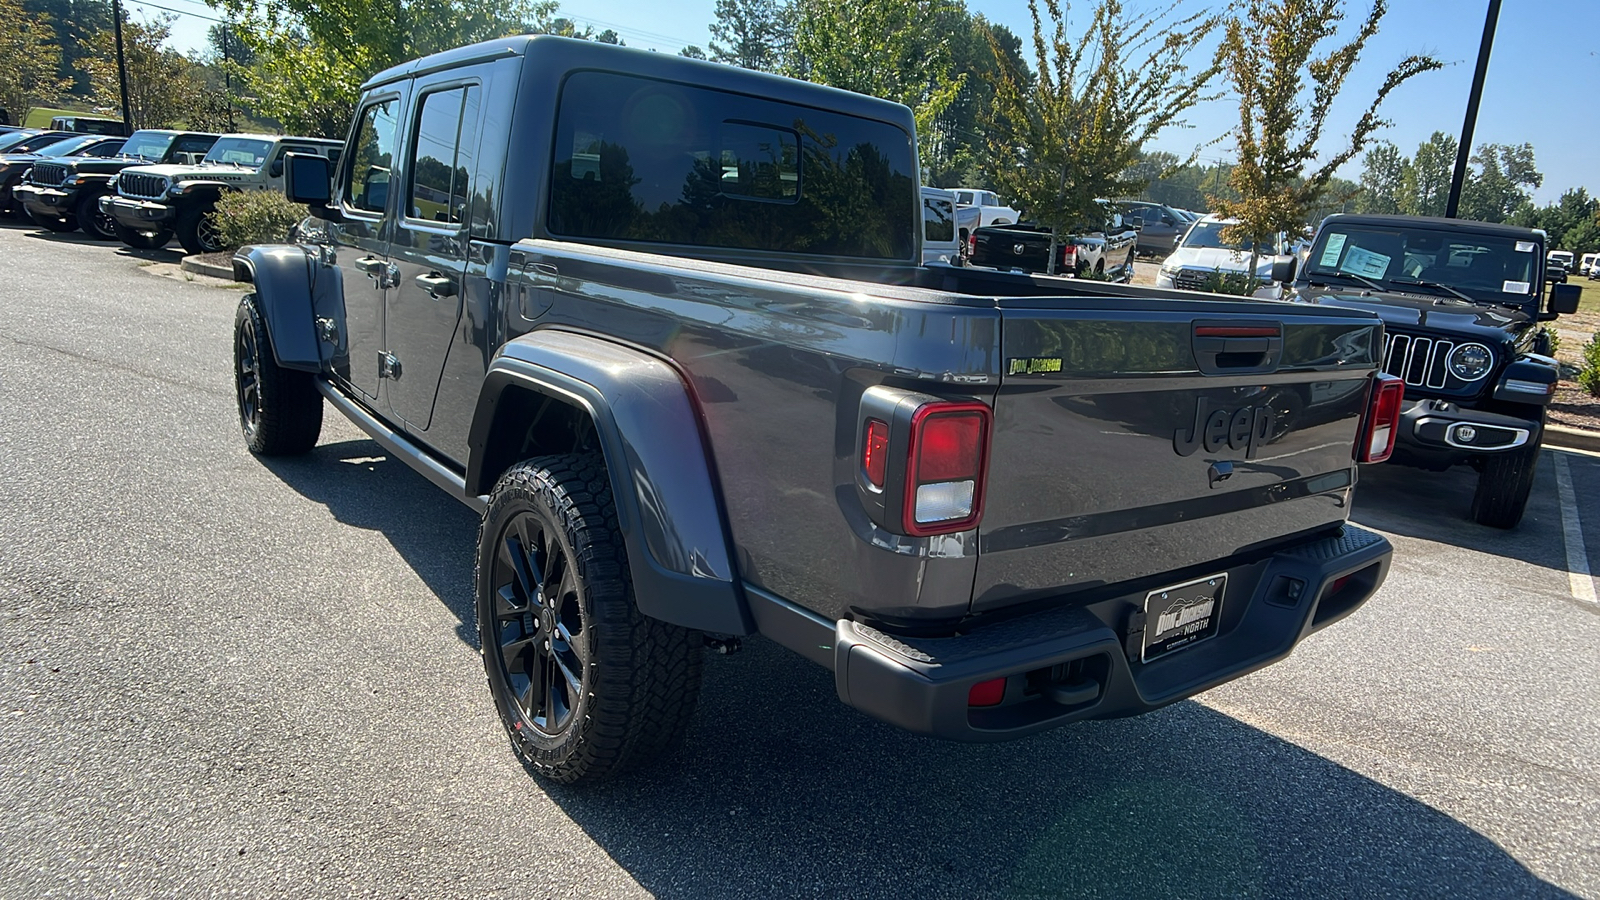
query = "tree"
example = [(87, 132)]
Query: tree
[(29, 59), (1073, 133), (692, 52), (956, 148), (162, 90), (1502, 183), (224, 43), (750, 32), (1383, 175), (1425, 184), (894, 49), (1285, 97)]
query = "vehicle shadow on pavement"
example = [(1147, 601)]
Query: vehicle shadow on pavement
[(780, 791), (1436, 506), (364, 487)]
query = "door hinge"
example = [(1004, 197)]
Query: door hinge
[(327, 329), (389, 366)]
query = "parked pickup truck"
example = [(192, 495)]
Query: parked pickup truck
[(1105, 250), (665, 324), (1461, 303), (64, 195)]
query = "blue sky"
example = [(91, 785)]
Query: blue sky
[(1546, 57)]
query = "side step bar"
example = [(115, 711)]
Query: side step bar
[(453, 482)]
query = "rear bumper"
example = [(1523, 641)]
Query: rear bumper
[(1442, 427), (1084, 662), (136, 214)]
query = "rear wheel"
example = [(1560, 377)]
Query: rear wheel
[(142, 239), (197, 228), (585, 685), (95, 223), (280, 410), (1504, 486)]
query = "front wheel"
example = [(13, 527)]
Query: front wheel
[(92, 220), (197, 229), (585, 685), (142, 240), (280, 410), (1504, 486)]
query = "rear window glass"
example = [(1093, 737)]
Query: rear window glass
[(643, 160)]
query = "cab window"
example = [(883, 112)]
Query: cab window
[(441, 155), (367, 182)]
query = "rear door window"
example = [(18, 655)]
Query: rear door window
[(438, 171), (938, 220)]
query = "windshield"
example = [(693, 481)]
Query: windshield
[(1209, 234), (1487, 267), (7, 141), (151, 145), (72, 145), (239, 151)]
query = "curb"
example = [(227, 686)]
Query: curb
[(1571, 438), (190, 264)]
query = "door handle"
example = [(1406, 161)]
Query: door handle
[(437, 285), (369, 264)]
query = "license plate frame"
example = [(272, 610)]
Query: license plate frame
[(1181, 615)]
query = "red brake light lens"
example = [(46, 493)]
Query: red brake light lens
[(1381, 425), (944, 478), (875, 453)]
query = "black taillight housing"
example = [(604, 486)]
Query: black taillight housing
[(922, 461)]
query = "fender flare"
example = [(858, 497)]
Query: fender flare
[(282, 275), (648, 424)]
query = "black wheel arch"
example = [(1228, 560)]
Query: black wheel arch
[(285, 290)]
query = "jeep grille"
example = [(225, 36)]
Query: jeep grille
[(1422, 362), (47, 175), (138, 184)]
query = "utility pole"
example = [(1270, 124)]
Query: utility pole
[(227, 72), (1464, 151), (122, 66)]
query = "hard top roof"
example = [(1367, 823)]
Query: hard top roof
[(1435, 222), (283, 137)]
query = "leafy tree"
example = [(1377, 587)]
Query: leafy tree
[(1285, 96), (692, 52), (1502, 183), (163, 90), (610, 37), (957, 145), (751, 34), (73, 23), (1383, 174), (894, 49), (224, 43), (29, 60), (1425, 184), (1071, 135)]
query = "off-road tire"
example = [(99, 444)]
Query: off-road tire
[(60, 225), (280, 410), (91, 220), (1503, 487), (194, 232), (143, 240), (640, 678)]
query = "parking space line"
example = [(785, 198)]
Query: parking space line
[(1572, 530)]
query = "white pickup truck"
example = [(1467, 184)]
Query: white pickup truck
[(990, 211)]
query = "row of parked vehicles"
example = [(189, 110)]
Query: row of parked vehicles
[(145, 189)]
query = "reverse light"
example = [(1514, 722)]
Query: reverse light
[(948, 452), (987, 693), (1375, 441)]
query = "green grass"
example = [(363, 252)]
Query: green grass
[(40, 116)]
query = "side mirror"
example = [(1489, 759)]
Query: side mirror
[(1283, 270), (307, 179), (1564, 298), (1167, 220), (276, 169)]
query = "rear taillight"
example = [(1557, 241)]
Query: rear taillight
[(1381, 423), (875, 452), (947, 455), (1069, 257), (972, 244)]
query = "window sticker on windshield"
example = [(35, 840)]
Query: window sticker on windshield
[(1514, 287), (1361, 261), (1330, 253), (1524, 246)]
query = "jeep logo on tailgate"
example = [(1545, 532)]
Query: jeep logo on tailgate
[(1244, 429)]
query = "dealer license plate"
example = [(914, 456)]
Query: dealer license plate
[(1182, 615)]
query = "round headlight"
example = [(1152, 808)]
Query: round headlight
[(1470, 362)]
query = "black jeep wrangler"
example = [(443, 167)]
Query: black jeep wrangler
[(1461, 303), (64, 195)]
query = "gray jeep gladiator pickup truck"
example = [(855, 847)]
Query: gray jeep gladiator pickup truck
[(664, 323)]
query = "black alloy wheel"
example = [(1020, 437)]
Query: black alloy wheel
[(540, 630), (92, 220), (280, 410)]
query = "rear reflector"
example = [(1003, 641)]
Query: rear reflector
[(1379, 426), (987, 693), (945, 473), (875, 455)]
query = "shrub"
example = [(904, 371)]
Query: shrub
[(1589, 373), (255, 217), (1240, 284), (1554, 339)]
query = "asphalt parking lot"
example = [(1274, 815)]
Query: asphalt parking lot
[(221, 676)]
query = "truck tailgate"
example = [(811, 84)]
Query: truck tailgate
[(1142, 436)]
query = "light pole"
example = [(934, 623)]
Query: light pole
[(1464, 152), (122, 65)]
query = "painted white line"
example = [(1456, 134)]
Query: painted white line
[(1577, 552)]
